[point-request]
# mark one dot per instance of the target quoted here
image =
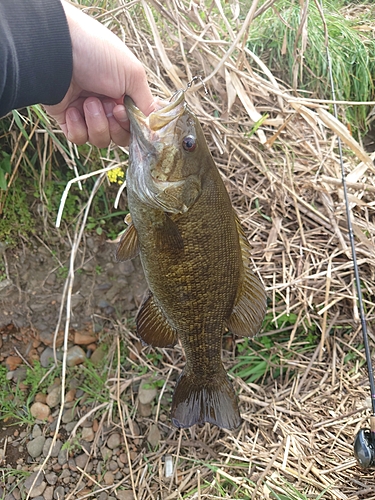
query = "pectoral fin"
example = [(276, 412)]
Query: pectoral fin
[(128, 247), (168, 236), (251, 301), (152, 325)]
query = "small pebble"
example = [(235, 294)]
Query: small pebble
[(59, 493), (113, 465), (70, 426), (62, 458), (147, 392), (84, 338), (109, 478), (40, 411), (48, 493), (12, 362), (40, 398), (39, 486), (75, 356), (125, 495), (51, 478), (37, 431), (99, 354), (88, 434), (82, 461), (35, 446), (114, 441), (54, 397), (68, 415), (144, 410), (55, 450), (46, 358), (70, 395), (154, 435)]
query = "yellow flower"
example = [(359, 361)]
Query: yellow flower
[(116, 175)]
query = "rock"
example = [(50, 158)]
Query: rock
[(125, 495), (75, 356), (48, 493), (37, 431), (113, 465), (144, 410), (62, 457), (123, 458), (147, 392), (99, 354), (19, 374), (35, 446), (59, 493), (103, 496), (70, 426), (84, 338), (70, 395), (88, 434), (54, 397), (81, 460), (55, 450), (46, 358), (114, 441), (40, 398), (39, 486), (40, 411), (154, 435), (68, 415), (51, 478), (106, 453), (109, 478), (12, 362)]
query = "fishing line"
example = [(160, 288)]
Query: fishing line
[(364, 447)]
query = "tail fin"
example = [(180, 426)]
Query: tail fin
[(196, 402)]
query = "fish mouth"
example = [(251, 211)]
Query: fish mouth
[(157, 126)]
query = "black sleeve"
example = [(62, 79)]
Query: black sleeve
[(36, 61)]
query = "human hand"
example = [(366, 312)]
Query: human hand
[(104, 70)]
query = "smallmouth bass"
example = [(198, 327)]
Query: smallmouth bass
[(195, 257)]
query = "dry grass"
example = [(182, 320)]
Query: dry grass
[(284, 179)]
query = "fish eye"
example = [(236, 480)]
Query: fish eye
[(189, 143)]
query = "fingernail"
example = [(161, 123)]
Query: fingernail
[(108, 108), (74, 114), (121, 114), (93, 107)]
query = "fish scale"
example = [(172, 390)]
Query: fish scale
[(194, 255)]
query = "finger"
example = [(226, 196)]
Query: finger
[(97, 122), (75, 127), (119, 134), (138, 89)]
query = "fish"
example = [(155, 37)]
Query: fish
[(195, 257)]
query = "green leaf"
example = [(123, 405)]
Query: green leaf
[(3, 182)]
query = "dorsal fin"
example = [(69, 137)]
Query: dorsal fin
[(251, 300)]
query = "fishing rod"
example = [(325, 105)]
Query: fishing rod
[(364, 443)]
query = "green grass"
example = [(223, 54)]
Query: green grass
[(275, 38), (16, 398)]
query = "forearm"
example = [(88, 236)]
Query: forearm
[(35, 53)]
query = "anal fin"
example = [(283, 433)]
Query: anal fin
[(251, 301), (152, 325)]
